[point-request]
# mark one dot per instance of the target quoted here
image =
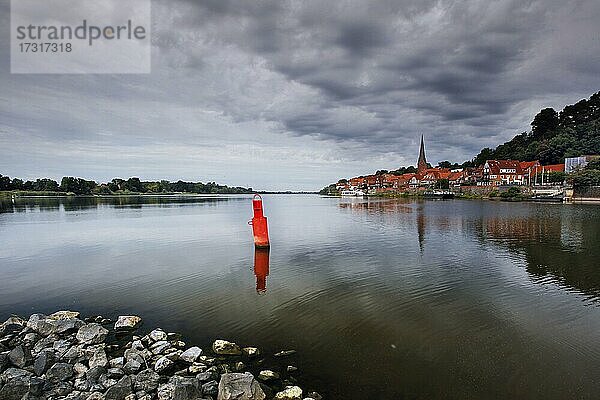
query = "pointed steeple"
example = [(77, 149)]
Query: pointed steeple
[(422, 163)]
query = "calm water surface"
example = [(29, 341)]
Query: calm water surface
[(383, 299)]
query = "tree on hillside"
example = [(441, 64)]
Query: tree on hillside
[(544, 123), (485, 154), (581, 112), (594, 164), (448, 165), (577, 132)]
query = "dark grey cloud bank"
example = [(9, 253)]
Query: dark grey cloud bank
[(296, 93)]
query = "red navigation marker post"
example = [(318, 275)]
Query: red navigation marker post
[(259, 223)]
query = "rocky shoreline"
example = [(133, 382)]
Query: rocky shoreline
[(64, 356)]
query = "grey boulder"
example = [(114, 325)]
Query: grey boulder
[(119, 390), (224, 347), (17, 357), (191, 354), (146, 381), (91, 334), (236, 386), (59, 372)]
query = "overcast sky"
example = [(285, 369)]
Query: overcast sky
[(296, 94)]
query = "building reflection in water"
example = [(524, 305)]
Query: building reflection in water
[(558, 245), (421, 227), (261, 269)]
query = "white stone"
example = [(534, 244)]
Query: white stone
[(289, 393), (157, 335), (127, 322), (268, 375), (63, 315), (251, 351), (191, 354), (223, 347)]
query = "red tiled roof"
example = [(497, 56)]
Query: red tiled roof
[(497, 165), (551, 168), (528, 164), (454, 176)]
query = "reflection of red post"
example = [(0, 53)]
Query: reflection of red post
[(259, 223), (261, 268)]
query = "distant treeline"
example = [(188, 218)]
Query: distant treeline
[(70, 184)]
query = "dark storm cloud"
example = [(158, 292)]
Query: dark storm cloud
[(465, 65)]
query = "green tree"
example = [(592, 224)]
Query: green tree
[(45, 184), (556, 177), (77, 185), (512, 192), (17, 184), (5, 183), (594, 164), (133, 185), (442, 184), (585, 177), (544, 123), (485, 154)]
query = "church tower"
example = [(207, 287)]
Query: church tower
[(422, 163)]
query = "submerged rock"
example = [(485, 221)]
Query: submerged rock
[(125, 322), (223, 347), (268, 375), (285, 353), (314, 396), (251, 351), (236, 386)]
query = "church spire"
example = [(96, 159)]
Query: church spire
[(422, 163)]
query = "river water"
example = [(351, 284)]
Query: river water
[(382, 299)]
